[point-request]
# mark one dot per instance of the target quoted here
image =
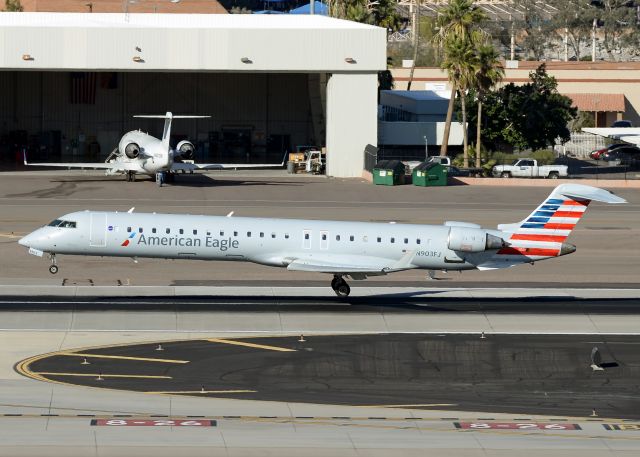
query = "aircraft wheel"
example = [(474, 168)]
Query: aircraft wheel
[(53, 269), (343, 289)]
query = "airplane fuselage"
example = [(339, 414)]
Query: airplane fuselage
[(274, 242), (153, 156)]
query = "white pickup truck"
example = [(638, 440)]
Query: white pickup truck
[(528, 168)]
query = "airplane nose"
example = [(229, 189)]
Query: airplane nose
[(26, 240)]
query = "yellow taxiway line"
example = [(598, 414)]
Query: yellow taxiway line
[(419, 405), (120, 357), (250, 345), (95, 375)]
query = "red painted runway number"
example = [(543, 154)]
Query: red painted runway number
[(153, 423), (514, 426)]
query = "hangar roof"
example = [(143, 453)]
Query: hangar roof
[(189, 42), (201, 21)]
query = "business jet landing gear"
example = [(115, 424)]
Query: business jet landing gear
[(53, 269), (130, 176), (340, 286)]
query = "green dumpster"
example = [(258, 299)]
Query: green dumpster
[(429, 174), (388, 173)]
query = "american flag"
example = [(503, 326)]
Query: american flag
[(83, 88)]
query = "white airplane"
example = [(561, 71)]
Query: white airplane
[(141, 153), (627, 134), (342, 249)]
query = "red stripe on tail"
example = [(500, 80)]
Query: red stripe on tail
[(534, 237), (528, 252)]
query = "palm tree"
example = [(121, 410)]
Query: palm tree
[(459, 19), (490, 72), (462, 65)]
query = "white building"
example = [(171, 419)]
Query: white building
[(70, 82)]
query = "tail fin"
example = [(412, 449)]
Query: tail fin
[(544, 231), (168, 117)]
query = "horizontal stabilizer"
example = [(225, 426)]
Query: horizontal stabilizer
[(588, 193)]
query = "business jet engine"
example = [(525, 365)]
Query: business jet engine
[(132, 150), (185, 150), (473, 239)]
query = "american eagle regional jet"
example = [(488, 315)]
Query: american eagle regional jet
[(141, 153), (342, 249)]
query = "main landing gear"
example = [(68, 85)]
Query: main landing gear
[(340, 286), (53, 269), (130, 176)]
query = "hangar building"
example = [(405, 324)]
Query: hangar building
[(71, 83)]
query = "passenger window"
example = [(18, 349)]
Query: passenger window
[(221, 233), (261, 234), (306, 236), (337, 237), (128, 229), (286, 236), (181, 232), (418, 241), (379, 240), (351, 238), (248, 234), (168, 230), (140, 230), (273, 235), (406, 241), (393, 240), (153, 230), (235, 233), (324, 236), (195, 232)]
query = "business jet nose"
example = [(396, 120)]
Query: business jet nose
[(26, 240)]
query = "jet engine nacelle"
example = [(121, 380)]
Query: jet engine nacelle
[(468, 239), (185, 149), (132, 150)]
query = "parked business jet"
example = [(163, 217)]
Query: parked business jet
[(342, 249), (141, 153)]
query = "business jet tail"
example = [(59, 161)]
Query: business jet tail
[(543, 233), (168, 117)]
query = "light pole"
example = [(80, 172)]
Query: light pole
[(426, 148)]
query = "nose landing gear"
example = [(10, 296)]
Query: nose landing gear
[(53, 269), (340, 286)]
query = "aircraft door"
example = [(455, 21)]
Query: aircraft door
[(324, 239), (306, 239), (98, 230)]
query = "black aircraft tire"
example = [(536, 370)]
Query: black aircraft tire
[(53, 269), (343, 289)]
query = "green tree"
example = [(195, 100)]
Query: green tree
[(531, 116), (457, 21), (13, 6), (489, 73), (461, 63)]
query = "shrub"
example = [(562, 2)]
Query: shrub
[(544, 156)]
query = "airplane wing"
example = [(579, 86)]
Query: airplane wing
[(627, 134), (123, 166), (353, 264), (186, 166)]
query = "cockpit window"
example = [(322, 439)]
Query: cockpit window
[(62, 223)]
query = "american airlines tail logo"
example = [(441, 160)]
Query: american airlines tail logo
[(127, 241)]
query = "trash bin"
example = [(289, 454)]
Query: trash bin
[(388, 173), (430, 174)]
